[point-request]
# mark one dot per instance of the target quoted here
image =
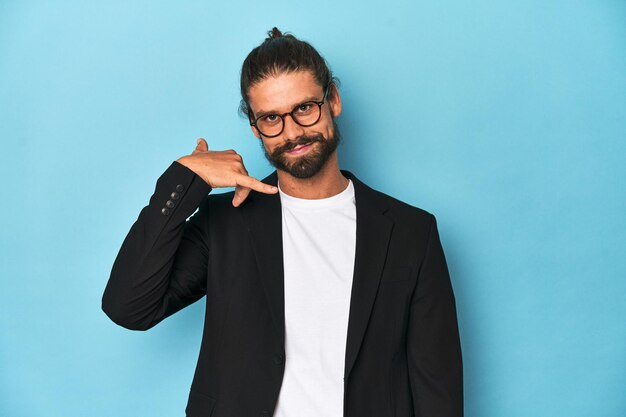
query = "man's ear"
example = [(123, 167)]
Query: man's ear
[(334, 100)]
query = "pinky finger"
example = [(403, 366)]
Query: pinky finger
[(241, 193)]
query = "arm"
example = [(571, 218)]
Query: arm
[(433, 345), (162, 264)]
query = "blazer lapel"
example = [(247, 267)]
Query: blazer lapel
[(373, 231), (262, 213)]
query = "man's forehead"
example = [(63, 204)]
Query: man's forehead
[(283, 91)]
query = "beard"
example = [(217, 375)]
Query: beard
[(309, 164)]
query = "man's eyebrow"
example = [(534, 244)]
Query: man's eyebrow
[(306, 99)]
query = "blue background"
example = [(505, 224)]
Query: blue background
[(505, 119)]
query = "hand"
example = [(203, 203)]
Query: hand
[(224, 169)]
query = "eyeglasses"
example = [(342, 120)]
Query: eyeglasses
[(304, 114)]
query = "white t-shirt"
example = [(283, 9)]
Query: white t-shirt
[(319, 239)]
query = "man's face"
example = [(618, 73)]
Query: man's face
[(298, 150)]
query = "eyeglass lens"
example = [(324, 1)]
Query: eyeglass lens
[(305, 114)]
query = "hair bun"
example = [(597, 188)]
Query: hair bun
[(274, 33)]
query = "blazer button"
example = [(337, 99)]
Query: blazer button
[(170, 204), (175, 195), (180, 188), (165, 211), (265, 413), (279, 358)]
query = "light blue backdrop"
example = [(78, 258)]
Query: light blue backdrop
[(506, 119)]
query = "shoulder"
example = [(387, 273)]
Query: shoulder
[(399, 210), (405, 209), (409, 217)]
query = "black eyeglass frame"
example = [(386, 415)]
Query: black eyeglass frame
[(282, 116)]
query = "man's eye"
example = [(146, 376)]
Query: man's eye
[(304, 108), (270, 118)]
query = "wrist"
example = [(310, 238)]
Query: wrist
[(183, 160)]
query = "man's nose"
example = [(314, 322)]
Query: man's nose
[(291, 129)]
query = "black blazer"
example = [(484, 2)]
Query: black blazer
[(403, 354)]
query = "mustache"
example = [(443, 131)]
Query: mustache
[(303, 140)]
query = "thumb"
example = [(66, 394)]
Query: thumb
[(202, 145)]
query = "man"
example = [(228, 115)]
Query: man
[(324, 297)]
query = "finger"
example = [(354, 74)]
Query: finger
[(241, 193), (255, 184)]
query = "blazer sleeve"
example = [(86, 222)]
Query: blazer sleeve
[(433, 344), (162, 264)]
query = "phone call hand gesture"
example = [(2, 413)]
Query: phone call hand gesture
[(224, 169)]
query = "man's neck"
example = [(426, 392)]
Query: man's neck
[(329, 181)]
